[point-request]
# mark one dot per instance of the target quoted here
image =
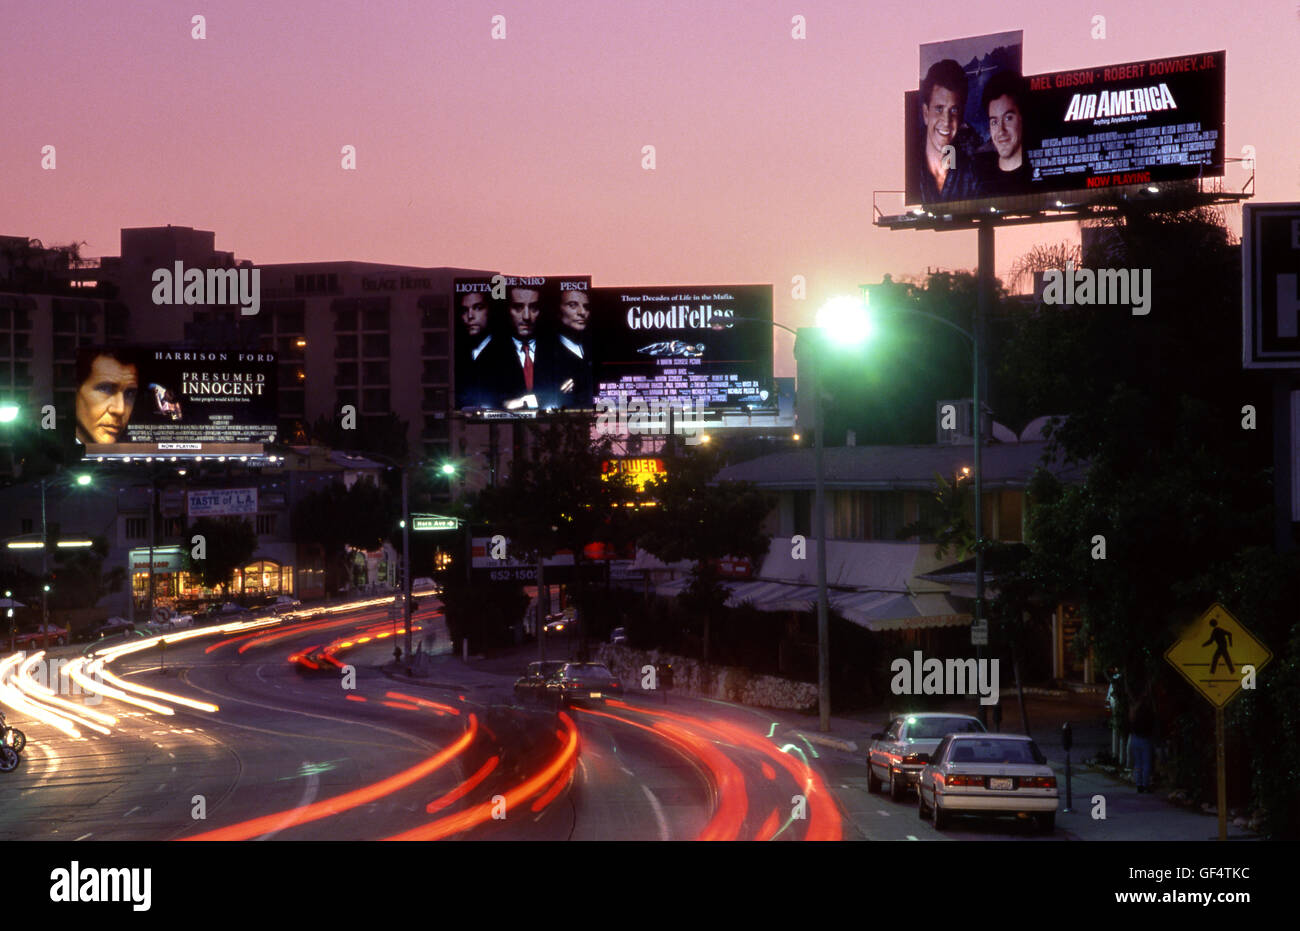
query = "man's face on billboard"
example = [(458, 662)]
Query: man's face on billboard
[(1005, 126), (105, 400), (574, 312), (474, 313), (525, 305), (942, 113)]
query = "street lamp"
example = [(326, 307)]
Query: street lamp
[(82, 480), (843, 321), (977, 430)]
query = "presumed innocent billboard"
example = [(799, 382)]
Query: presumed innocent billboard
[(161, 400)]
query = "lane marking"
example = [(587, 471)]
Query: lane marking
[(308, 796), (83, 836), (658, 810), (135, 809)]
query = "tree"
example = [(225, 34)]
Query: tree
[(229, 542), (704, 521), (1177, 493), (557, 498), (337, 516), (81, 578)]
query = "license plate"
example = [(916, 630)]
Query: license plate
[(595, 695), (995, 783)]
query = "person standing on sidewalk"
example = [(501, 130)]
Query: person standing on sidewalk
[(1116, 701), (1142, 725)]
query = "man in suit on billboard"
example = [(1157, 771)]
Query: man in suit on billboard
[(573, 364), (473, 313), (517, 374)]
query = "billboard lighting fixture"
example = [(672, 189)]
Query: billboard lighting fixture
[(221, 459), (74, 544), (25, 545), (148, 458), (126, 458), (198, 458), (243, 458)]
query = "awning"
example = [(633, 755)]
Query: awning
[(874, 610)]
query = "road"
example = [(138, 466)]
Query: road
[(232, 736), (293, 754)]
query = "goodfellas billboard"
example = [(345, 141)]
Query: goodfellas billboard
[(527, 344), (159, 400), (707, 345), (980, 135)]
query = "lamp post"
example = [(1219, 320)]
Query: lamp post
[(977, 436), (845, 319), (81, 480)]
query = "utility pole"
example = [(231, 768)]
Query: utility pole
[(45, 575), (406, 562)]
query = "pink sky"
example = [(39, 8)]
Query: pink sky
[(525, 154)]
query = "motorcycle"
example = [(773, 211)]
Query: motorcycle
[(11, 738)]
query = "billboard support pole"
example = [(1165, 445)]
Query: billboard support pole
[(982, 307)]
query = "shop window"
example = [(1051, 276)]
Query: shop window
[(136, 528)]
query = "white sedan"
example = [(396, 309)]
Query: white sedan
[(988, 774)]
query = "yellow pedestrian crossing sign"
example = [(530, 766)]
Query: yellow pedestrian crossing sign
[(1212, 652)]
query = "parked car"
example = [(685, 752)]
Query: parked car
[(284, 603), (986, 774), (557, 624), (36, 638), (893, 757), (532, 685), (580, 683)]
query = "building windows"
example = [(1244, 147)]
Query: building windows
[(1010, 516), (435, 344), (374, 344), (375, 373), (433, 312), (376, 318), (435, 370), (345, 314), (886, 515), (291, 403), (347, 396), (345, 346), (376, 400), (173, 526), (345, 373), (266, 524), (435, 399), (136, 528)]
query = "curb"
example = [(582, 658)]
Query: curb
[(833, 742)]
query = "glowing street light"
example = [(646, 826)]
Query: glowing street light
[(844, 321), (8, 413)]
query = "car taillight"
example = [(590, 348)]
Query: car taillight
[(965, 780), (1038, 782)]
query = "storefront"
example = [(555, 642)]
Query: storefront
[(167, 574), (261, 578)]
